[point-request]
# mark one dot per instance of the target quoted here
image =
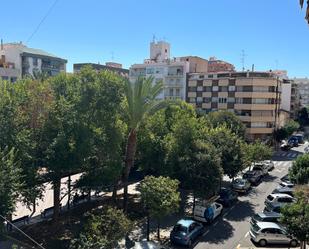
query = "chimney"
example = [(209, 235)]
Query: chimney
[(1, 44)]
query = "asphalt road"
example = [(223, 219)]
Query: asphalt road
[(231, 230)]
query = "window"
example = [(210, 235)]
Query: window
[(171, 80), (35, 61), (177, 81), (171, 92), (192, 100), (230, 100), (231, 88), (177, 92), (199, 88), (13, 79), (260, 101), (215, 88), (207, 88), (223, 88), (222, 100), (206, 100), (214, 99), (199, 99), (258, 125)]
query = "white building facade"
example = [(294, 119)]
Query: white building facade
[(18, 60), (172, 72)]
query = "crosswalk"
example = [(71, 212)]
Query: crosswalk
[(286, 154)]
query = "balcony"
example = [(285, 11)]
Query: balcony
[(191, 94), (222, 106), (259, 130), (256, 82), (257, 107), (192, 83), (169, 97), (263, 95), (206, 94), (257, 118)]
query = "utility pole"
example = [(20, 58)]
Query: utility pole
[(243, 55)]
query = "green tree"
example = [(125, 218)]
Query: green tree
[(255, 152), (160, 196), (104, 230), (141, 101), (299, 172), (290, 127), (229, 146), (295, 216), (228, 119), (303, 116), (307, 11), (10, 184)]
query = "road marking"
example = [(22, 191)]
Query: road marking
[(294, 155), (205, 232), (289, 154), (216, 223), (247, 234), (238, 246)]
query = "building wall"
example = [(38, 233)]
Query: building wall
[(196, 64), (173, 75), (303, 88), (253, 96), (286, 96), (159, 51)]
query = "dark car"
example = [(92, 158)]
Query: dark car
[(293, 142), (285, 146), (265, 217), (299, 137), (186, 231), (227, 197), (253, 176)]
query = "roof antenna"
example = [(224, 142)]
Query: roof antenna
[(154, 38), (243, 55)]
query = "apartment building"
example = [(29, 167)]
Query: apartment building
[(253, 96), (216, 66), (303, 89), (110, 66), (18, 60)]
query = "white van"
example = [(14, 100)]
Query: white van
[(207, 213)]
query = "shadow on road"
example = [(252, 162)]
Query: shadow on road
[(242, 210), (270, 178)]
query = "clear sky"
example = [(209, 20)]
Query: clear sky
[(273, 33)]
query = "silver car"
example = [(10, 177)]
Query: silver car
[(265, 233), (241, 185)]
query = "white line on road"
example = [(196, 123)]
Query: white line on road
[(247, 234), (216, 223), (205, 232)]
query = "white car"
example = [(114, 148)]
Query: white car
[(274, 199), (207, 213), (285, 185), (269, 164)]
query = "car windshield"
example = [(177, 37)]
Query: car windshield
[(240, 181), (282, 184), (180, 228), (257, 217), (270, 197), (255, 228)]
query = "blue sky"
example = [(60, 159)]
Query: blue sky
[(273, 33)]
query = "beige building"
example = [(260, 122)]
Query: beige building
[(216, 66), (253, 96), (196, 64)]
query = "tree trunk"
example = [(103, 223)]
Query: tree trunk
[(158, 230), (56, 186), (129, 162), (193, 207), (69, 192), (89, 195), (33, 207), (148, 227), (114, 196)]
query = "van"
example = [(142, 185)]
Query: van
[(207, 213)]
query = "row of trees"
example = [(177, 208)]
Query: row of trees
[(101, 125)]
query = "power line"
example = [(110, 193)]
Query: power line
[(42, 20), (22, 232)]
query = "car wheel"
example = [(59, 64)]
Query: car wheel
[(189, 243), (293, 243), (262, 242)]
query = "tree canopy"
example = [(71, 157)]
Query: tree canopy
[(299, 172)]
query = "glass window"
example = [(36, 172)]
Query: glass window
[(35, 61), (199, 99), (192, 100), (177, 92), (207, 88), (206, 100), (150, 70), (171, 92), (200, 88), (214, 99), (222, 100), (231, 100), (232, 88), (215, 88), (223, 88)]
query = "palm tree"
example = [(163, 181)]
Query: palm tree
[(307, 12), (141, 101)]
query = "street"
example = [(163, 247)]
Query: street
[(231, 230)]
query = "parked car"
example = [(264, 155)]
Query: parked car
[(265, 217), (262, 168), (227, 197), (286, 185), (207, 213), (273, 208), (285, 146), (293, 142), (265, 233), (286, 190), (269, 164), (285, 178), (299, 137), (306, 149), (279, 198), (147, 245), (241, 185), (253, 176), (186, 231)]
